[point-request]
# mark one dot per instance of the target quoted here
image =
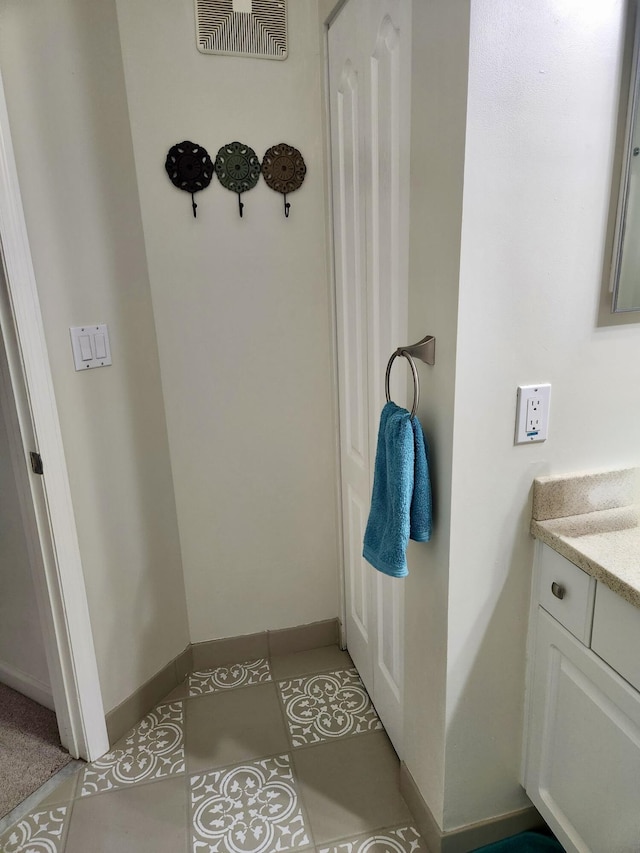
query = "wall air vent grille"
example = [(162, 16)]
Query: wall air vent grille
[(255, 28)]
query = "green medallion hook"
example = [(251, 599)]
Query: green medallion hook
[(238, 169)]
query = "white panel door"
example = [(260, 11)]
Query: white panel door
[(369, 73)]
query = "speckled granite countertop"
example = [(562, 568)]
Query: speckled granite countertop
[(594, 521)]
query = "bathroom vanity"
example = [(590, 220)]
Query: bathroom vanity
[(582, 728)]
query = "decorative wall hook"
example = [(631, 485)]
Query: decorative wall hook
[(238, 169), (190, 168), (283, 168)]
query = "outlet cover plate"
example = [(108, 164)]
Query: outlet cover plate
[(532, 413)]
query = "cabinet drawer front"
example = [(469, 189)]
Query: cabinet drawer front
[(574, 609), (616, 634)]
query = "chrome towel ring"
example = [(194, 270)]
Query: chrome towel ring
[(416, 381), (425, 350)]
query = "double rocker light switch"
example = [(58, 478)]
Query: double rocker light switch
[(90, 346)]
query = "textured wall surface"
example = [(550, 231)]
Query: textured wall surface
[(62, 70), (243, 321), (542, 110)]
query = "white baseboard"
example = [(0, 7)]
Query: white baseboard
[(27, 685)]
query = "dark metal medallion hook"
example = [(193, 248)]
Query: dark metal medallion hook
[(240, 205), (189, 168), (287, 206)]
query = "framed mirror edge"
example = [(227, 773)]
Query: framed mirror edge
[(629, 102)]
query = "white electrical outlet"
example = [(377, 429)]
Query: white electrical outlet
[(532, 413)]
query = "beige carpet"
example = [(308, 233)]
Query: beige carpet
[(30, 750)]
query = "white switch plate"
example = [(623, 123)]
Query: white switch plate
[(532, 413), (91, 347)]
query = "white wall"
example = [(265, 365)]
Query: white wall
[(243, 322), (23, 662), (63, 76), (439, 85), (542, 101)]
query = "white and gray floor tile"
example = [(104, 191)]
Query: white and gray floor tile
[(264, 756), (400, 839), (228, 677), (327, 705), (254, 808), (153, 750), (41, 830)]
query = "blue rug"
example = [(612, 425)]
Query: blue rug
[(525, 842)]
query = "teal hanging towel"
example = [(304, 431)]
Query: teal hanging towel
[(401, 499)]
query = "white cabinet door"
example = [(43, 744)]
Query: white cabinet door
[(583, 761), (369, 82)]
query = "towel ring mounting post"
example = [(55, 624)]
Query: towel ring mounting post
[(424, 350)]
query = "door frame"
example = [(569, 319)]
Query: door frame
[(329, 9), (51, 529)]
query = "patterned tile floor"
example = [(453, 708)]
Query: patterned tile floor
[(286, 754)]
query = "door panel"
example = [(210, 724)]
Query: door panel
[(369, 80), (383, 205), (352, 306), (359, 580), (349, 207), (387, 53)]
